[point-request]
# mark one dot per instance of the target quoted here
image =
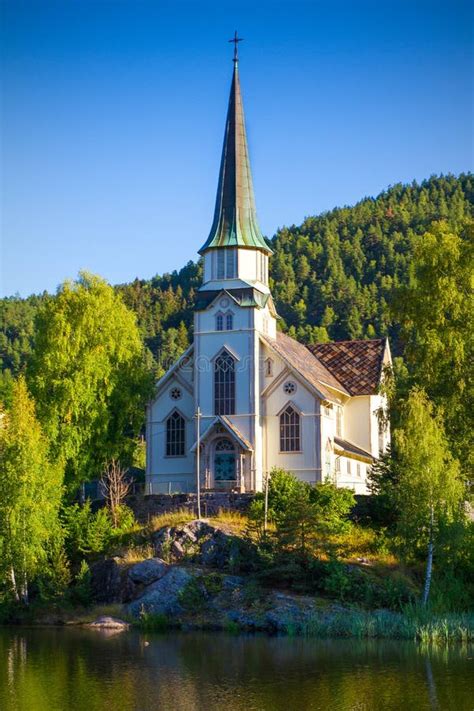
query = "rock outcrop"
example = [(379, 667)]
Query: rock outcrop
[(163, 596), (148, 571)]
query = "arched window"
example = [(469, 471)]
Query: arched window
[(175, 435), (269, 367), (229, 322), (224, 385), (290, 439), (219, 322)]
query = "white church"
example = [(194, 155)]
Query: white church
[(244, 397)]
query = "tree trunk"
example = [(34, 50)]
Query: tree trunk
[(14, 585), (24, 591), (429, 563)]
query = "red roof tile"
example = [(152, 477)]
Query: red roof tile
[(299, 357), (355, 364)]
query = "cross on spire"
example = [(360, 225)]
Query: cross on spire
[(236, 39)]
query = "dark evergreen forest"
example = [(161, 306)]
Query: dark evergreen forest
[(332, 277)]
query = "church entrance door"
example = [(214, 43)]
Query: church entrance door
[(225, 474)]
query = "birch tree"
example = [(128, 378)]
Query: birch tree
[(89, 377), (31, 488), (429, 489)]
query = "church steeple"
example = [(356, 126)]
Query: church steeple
[(235, 218)]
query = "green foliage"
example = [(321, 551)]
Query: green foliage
[(88, 375), (333, 505), (81, 592), (435, 309), (153, 622), (55, 576), (31, 487), (194, 596), (283, 488), (350, 584), (299, 527), (428, 478), (87, 532)]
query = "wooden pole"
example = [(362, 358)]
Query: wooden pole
[(265, 521), (198, 462)]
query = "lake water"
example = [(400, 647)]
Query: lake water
[(55, 669)]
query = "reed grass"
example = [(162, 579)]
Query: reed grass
[(388, 625)]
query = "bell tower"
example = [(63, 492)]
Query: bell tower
[(234, 307)]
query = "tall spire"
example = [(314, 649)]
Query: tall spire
[(235, 218)]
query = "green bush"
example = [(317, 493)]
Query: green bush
[(86, 532), (337, 582), (194, 596), (81, 592), (334, 505), (55, 576)]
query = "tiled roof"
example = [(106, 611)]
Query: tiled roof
[(355, 364), (299, 357), (351, 448)]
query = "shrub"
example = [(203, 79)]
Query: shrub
[(337, 582), (81, 592), (87, 532), (194, 596), (334, 505), (55, 577)]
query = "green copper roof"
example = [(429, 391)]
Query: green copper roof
[(235, 218)]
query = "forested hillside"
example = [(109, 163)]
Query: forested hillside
[(332, 277), (77, 370)]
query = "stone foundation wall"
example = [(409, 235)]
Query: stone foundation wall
[(145, 507)]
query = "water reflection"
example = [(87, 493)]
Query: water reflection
[(82, 670)]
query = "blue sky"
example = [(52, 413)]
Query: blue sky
[(113, 118)]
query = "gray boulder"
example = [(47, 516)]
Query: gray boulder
[(162, 596), (147, 571), (108, 623)]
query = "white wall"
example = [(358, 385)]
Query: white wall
[(252, 266), (304, 464), (160, 468), (352, 480), (357, 413)]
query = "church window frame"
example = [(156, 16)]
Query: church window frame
[(175, 444), (219, 322), (289, 387), (220, 266), (226, 262), (290, 430), (229, 321), (176, 393), (328, 458), (269, 368), (224, 384), (231, 263)]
